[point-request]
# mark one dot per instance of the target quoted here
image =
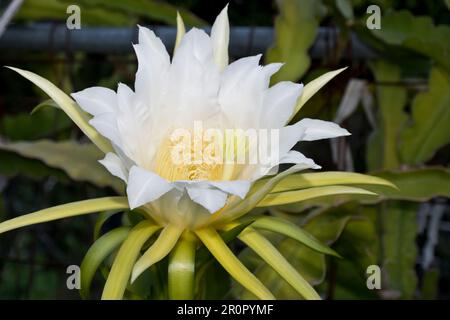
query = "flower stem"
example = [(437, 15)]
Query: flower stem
[(182, 268)]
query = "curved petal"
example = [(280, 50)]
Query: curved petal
[(292, 157), (153, 65), (181, 31), (279, 103), (220, 36), (194, 79), (145, 186), (289, 136), (125, 96), (209, 198), (236, 71), (115, 166), (133, 124), (296, 157), (96, 100), (238, 188), (319, 129), (312, 87), (106, 125), (68, 106), (308, 130), (243, 86)]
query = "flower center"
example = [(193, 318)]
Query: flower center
[(189, 157)]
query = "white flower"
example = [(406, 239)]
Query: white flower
[(197, 85)]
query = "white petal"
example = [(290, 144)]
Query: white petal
[(289, 136), (296, 157), (319, 129), (194, 79), (96, 100), (243, 87), (153, 65), (234, 74), (145, 186), (125, 96), (238, 188), (209, 198), (292, 157), (308, 130), (220, 36), (133, 126), (279, 103), (106, 125), (115, 166)]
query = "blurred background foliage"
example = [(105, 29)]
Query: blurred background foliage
[(396, 104)]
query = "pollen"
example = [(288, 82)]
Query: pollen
[(189, 159)]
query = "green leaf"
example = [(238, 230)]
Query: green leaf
[(321, 179), (296, 28), (22, 126), (345, 8), (155, 10), (182, 268), (279, 198), (212, 240), (289, 229), (13, 165), (79, 161), (166, 241), (430, 119), (382, 149), (38, 10), (275, 259), (78, 116), (400, 251), (359, 243), (98, 252), (416, 33), (120, 273), (413, 185), (64, 211)]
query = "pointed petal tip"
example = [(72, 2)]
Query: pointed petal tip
[(19, 71), (225, 9), (134, 275), (133, 204), (345, 132), (138, 269)]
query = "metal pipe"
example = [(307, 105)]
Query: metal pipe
[(243, 40)]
